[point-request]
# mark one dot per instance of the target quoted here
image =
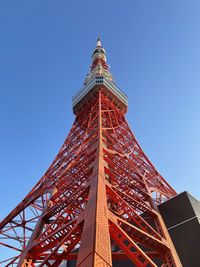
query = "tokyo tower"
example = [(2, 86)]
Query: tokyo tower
[(96, 205)]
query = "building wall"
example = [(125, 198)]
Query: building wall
[(181, 215)]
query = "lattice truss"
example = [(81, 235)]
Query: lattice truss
[(96, 203)]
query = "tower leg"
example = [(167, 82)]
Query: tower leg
[(95, 248)]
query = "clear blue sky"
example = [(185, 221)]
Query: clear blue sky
[(153, 48)]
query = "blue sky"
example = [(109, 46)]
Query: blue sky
[(45, 53)]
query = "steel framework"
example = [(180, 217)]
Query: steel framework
[(97, 202)]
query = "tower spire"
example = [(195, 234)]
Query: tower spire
[(100, 77), (99, 66), (99, 41)]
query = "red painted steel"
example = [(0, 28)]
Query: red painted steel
[(97, 201)]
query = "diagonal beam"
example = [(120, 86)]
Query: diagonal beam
[(130, 248)]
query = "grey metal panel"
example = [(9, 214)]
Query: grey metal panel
[(177, 210), (195, 204), (186, 238)]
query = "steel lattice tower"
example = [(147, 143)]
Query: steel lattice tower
[(97, 202)]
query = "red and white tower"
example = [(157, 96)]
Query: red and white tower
[(97, 202)]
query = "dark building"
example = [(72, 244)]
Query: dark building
[(181, 215)]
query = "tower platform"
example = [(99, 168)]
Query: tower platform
[(99, 83)]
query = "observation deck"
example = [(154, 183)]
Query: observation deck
[(93, 86)]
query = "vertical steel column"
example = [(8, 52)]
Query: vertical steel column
[(95, 248)]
